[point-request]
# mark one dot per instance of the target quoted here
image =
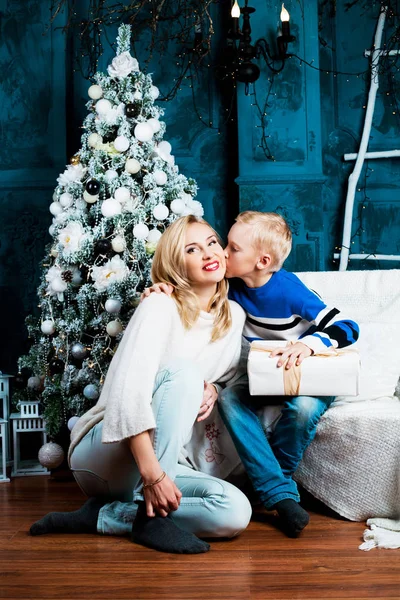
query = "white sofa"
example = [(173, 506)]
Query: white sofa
[(353, 464)]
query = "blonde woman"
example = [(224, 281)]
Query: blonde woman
[(127, 447)]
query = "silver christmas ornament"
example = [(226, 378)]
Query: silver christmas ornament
[(51, 455), (79, 351), (91, 391), (113, 306), (34, 383)]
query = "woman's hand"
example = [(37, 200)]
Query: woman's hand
[(210, 396), (162, 498), (296, 353), (158, 288)]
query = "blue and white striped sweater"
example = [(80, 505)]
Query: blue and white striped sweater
[(285, 309)]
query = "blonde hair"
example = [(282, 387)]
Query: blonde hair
[(269, 233), (169, 267)]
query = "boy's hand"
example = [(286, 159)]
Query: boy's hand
[(296, 353), (158, 288), (210, 397)]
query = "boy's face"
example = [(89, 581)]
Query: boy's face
[(241, 256)]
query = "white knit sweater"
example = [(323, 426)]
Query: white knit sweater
[(154, 337)]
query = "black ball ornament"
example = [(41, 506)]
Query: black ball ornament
[(56, 366), (93, 187), (132, 111), (247, 72), (102, 246)]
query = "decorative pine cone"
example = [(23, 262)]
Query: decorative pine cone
[(67, 276)]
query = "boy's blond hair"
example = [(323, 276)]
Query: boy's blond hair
[(269, 233), (169, 267)]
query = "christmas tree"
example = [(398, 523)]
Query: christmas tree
[(110, 207)]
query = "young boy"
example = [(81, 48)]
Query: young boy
[(278, 307)]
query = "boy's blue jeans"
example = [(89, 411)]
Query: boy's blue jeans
[(270, 463)]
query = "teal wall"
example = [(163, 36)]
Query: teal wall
[(313, 119)]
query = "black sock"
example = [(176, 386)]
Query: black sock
[(161, 533), (293, 517), (83, 520)]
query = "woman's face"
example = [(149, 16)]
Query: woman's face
[(204, 257)]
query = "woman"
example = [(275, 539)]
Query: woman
[(126, 448)]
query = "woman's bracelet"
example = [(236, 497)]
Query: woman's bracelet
[(147, 485)]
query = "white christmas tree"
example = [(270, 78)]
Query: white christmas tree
[(110, 207)]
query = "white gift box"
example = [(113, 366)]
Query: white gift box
[(334, 373)]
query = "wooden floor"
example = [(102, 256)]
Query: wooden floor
[(261, 564)]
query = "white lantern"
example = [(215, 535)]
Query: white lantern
[(143, 132), (154, 236), (121, 143), (154, 92), (114, 328), (66, 200), (177, 206), (122, 194), (154, 124), (118, 244), (160, 212), (110, 208), (90, 198), (132, 166), (95, 92), (141, 231), (110, 175), (103, 107), (94, 139), (165, 147), (160, 177), (113, 306), (55, 208), (48, 327)]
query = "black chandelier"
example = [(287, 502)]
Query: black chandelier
[(245, 70)]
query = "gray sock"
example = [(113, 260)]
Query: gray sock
[(83, 520)]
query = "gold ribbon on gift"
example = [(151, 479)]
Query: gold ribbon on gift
[(292, 376)]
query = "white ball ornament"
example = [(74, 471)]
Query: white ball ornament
[(95, 92), (177, 206), (34, 383), (114, 328), (47, 327), (122, 194), (160, 177), (51, 455), (154, 92), (154, 236), (137, 95), (81, 204), (110, 175), (91, 391), (154, 124), (52, 230), (132, 166), (165, 147), (160, 212), (94, 139), (121, 143), (113, 306), (118, 244), (110, 208), (103, 107), (61, 218), (90, 198), (141, 231), (66, 200), (72, 422), (143, 132), (55, 208)]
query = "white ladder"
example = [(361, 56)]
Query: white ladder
[(362, 154)]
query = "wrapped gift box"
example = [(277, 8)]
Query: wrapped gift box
[(334, 373)]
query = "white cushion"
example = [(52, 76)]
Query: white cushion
[(379, 347)]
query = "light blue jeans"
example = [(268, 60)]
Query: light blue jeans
[(209, 506), (270, 463)]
